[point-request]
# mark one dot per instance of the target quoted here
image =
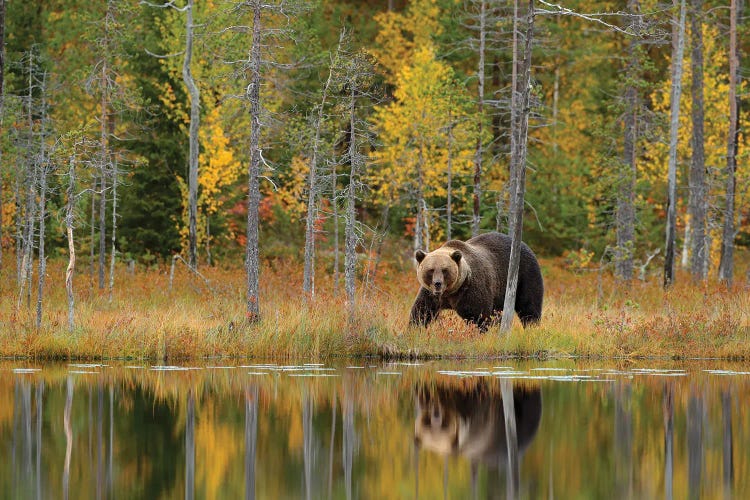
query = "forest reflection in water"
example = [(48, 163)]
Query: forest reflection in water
[(439, 429)]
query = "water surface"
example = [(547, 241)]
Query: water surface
[(359, 429)]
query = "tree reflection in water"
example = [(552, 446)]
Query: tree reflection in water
[(251, 439), (381, 431)]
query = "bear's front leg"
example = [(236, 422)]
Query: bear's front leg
[(425, 309), (477, 313)]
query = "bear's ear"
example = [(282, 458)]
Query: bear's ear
[(456, 256), (419, 255)]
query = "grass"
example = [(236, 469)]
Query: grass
[(584, 315)]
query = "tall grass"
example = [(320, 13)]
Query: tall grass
[(584, 315)]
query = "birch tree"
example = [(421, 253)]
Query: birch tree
[(625, 204), (193, 138), (357, 79), (476, 217), (266, 23), (674, 124), (308, 283), (520, 110), (726, 264), (697, 204), (27, 189), (69, 271), (252, 258)]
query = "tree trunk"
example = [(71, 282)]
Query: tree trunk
[(104, 138), (668, 416), (513, 472), (92, 250), (252, 260), (190, 447), (251, 439), (726, 264), (18, 223), (698, 203), (30, 212), (476, 218), (71, 247), (685, 256), (102, 227), (449, 201), (42, 256), (696, 450), (68, 429), (518, 160), (514, 107), (419, 229), (2, 109), (113, 250), (674, 126), (334, 204), (727, 443), (308, 281), (350, 255), (625, 209), (195, 117)]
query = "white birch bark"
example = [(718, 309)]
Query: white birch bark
[(252, 258), (519, 160), (194, 93), (479, 153), (71, 246), (113, 249), (674, 127), (308, 281)]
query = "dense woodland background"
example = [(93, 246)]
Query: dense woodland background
[(403, 110)]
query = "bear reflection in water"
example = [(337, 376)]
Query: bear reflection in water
[(470, 422)]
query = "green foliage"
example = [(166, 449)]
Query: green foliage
[(426, 61)]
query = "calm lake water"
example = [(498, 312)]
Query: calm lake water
[(363, 429)]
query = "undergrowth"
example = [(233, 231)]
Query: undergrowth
[(583, 316)]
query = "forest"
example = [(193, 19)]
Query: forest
[(225, 164)]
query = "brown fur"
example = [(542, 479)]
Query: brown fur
[(470, 278)]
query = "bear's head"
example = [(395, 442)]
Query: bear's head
[(441, 271)]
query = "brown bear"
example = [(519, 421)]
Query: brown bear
[(470, 277)]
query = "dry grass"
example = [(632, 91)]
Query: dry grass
[(582, 317)]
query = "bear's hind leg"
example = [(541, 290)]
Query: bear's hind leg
[(528, 306)]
